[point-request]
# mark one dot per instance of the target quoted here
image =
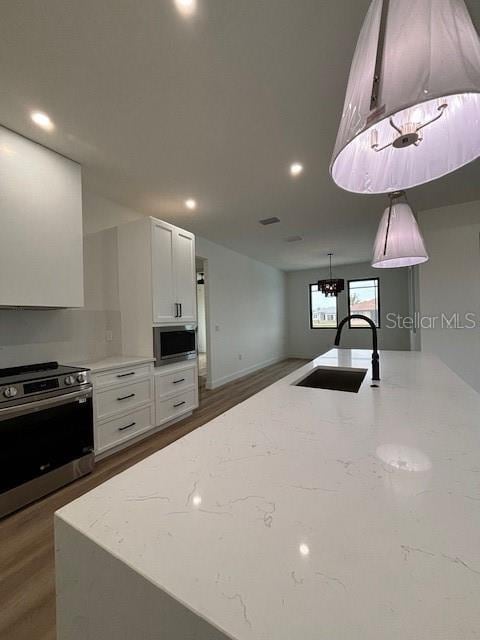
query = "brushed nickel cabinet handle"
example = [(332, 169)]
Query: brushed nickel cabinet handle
[(124, 375), (179, 404)]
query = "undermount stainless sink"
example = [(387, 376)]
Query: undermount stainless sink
[(334, 379)]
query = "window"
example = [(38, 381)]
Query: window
[(323, 310), (363, 298)]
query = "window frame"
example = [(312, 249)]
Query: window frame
[(378, 326), (310, 310)]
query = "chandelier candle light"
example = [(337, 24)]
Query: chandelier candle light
[(331, 286), (399, 242), (412, 105)]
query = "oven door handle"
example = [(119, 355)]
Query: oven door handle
[(56, 401)]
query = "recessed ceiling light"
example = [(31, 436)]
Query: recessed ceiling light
[(191, 204), (296, 169), (186, 7), (42, 120)]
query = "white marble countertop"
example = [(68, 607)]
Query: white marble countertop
[(312, 514), (112, 362)]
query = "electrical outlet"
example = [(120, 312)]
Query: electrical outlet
[(217, 327), (240, 356), (109, 336)]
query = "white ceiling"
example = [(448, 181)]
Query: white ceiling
[(159, 108)]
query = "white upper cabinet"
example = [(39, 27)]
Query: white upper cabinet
[(184, 274), (173, 274), (163, 278), (41, 243), (156, 280)]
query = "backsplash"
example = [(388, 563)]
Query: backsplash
[(69, 335)]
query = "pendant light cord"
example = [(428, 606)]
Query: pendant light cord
[(393, 196), (379, 57), (388, 225)]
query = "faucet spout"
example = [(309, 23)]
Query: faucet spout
[(375, 356)]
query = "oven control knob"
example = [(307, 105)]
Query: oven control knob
[(10, 392), (81, 378), (69, 380)]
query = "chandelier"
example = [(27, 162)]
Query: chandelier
[(331, 286)]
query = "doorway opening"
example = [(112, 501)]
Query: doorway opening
[(202, 333)]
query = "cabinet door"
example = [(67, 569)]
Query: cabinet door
[(184, 270), (163, 284)]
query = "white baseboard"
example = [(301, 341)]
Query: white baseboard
[(214, 384)]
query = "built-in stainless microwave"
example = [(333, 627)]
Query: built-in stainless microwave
[(173, 344)]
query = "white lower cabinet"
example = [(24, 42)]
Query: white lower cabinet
[(176, 391), (124, 402), (123, 397), (115, 431), (172, 383), (173, 407), (131, 400), (122, 374)]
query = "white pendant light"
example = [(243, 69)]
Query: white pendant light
[(412, 106), (399, 241)]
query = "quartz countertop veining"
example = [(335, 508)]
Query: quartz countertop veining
[(313, 514)]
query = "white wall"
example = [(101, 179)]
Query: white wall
[(305, 342), (99, 213), (246, 303), (449, 284)]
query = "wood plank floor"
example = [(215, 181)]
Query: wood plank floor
[(27, 590)]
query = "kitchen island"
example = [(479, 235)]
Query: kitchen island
[(299, 514)]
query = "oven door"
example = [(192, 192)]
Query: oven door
[(43, 435)]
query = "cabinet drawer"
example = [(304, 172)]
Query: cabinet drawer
[(175, 406), (172, 383), (125, 374), (117, 430), (121, 398)]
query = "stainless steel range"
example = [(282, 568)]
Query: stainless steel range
[(46, 431)]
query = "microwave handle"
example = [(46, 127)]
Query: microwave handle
[(56, 401)]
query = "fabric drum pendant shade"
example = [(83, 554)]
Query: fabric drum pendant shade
[(399, 242), (424, 119)]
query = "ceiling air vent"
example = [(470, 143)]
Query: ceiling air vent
[(293, 239), (266, 221)]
